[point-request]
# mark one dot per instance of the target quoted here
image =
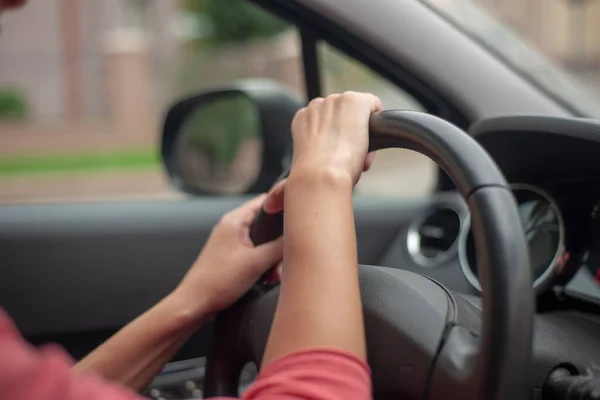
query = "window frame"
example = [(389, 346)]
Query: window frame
[(355, 48)]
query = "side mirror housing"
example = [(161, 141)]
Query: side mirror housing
[(231, 140)]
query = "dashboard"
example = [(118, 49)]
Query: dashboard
[(553, 168)]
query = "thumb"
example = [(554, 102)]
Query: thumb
[(267, 255), (274, 201), (369, 161)]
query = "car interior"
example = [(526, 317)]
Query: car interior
[(487, 288)]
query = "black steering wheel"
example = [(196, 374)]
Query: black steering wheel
[(423, 340)]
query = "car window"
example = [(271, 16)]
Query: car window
[(552, 44), (82, 100), (395, 172)]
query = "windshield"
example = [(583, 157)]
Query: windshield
[(520, 55)]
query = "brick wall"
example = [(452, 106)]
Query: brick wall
[(30, 56), (567, 31), (32, 53)]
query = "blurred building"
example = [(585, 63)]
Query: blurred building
[(88, 59), (567, 31), (113, 59)]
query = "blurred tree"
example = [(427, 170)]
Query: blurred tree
[(219, 129), (13, 104), (235, 21)]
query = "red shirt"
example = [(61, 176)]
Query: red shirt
[(27, 373)]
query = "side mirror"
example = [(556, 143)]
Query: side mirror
[(231, 140)]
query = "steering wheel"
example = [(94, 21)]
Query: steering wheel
[(423, 340)]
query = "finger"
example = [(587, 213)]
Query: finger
[(373, 101), (278, 273), (267, 255), (316, 102), (368, 99), (377, 104), (369, 161), (275, 199), (254, 205), (247, 211)]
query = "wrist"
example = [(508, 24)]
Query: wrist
[(184, 311), (315, 175)]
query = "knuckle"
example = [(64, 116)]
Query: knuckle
[(373, 98), (227, 220), (300, 112), (316, 102), (350, 97), (332, 99), (300, 115)]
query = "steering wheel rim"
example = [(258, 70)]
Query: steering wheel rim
[(472, 359)]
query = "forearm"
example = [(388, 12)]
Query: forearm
[(135, 354), (319, 304)]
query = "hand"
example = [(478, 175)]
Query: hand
[(330, 135), (229, 264)]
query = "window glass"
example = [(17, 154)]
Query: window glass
[(395, 172), (82, 100), (553, 43)]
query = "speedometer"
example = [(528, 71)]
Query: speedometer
[(544, 231)]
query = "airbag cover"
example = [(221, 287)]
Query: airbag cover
[(405, 318)]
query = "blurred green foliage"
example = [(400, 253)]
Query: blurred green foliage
[(235, 21), (220, 128), (47, 164), (13, 104)]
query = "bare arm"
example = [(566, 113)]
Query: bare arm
[(319, 303), (135, 354), (227, 267)]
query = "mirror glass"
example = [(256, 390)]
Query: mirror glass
[(219, 148)]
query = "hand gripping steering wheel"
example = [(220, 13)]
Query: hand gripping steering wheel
[(423, 340)]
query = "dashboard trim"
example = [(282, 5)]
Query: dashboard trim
[(413, 237)]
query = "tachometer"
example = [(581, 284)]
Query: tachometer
[(544, 231)]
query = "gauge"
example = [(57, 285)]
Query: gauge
[(544, 231), (593, 260)]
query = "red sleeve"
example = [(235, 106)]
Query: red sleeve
[(319, 374), (30, 374)]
